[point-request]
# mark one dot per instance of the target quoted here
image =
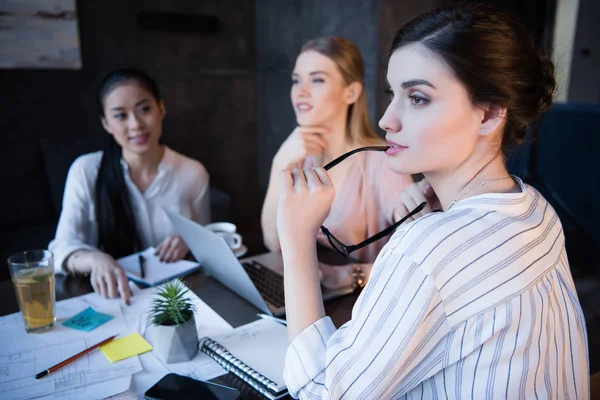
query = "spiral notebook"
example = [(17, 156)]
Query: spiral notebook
[(254, 352)]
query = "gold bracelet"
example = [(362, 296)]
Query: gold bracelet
[(358, 277)]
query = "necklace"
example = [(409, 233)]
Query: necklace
[(467, 190)]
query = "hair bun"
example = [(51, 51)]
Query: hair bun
[(494, 56)]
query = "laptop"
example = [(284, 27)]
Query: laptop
[(258, 279)]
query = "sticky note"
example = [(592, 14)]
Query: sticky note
[(125, 347), (87, 320)]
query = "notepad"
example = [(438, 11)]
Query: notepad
[(125, 347), (255, 352), (155, 271), (87, 320)]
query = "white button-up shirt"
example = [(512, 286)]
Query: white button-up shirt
[(181, 185)]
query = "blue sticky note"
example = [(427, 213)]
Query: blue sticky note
[(87, 320)]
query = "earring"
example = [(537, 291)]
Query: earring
[(482, 130)]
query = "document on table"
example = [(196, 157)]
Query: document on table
[(95, 391), (200, 367), (29, 354), (153, 371), (80, 383)]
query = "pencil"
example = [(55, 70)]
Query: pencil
[(75, 357), (142, 262)]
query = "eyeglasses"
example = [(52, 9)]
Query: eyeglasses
[(340, 247)]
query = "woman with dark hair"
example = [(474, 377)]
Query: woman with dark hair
[(473, 302), (112, 205)]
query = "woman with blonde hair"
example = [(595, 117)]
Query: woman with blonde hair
[(330, 103)]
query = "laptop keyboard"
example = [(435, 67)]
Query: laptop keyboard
[(268, 282)]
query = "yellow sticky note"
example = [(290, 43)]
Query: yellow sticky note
[(125, 347)]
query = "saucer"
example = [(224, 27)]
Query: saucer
[(240, 251)]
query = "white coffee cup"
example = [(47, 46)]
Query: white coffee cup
[(227, 231)]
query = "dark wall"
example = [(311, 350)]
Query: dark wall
[(207, 81), (536, 15), (584, 84), (393, 15), (282, 27), (227, 94)]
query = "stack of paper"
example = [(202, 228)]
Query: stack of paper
[(93, 376), (22, 356)]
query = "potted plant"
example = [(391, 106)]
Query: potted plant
[(172, 323)]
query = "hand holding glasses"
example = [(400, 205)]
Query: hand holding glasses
[(340, 247)]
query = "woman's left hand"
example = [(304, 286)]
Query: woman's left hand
[(173, 248), (305, 198)]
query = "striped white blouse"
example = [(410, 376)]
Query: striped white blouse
[(474, 303)]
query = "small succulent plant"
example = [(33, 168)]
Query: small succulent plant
[(171, 305)]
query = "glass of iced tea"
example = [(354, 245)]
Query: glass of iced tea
[(32, 274)]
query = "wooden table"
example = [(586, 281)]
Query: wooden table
[(232, 308)]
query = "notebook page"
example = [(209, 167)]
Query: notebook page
[(261, 345), (155, 270)]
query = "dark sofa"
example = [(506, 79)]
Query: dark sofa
[(33, 179)]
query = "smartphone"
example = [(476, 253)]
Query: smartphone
[(173, 386)]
